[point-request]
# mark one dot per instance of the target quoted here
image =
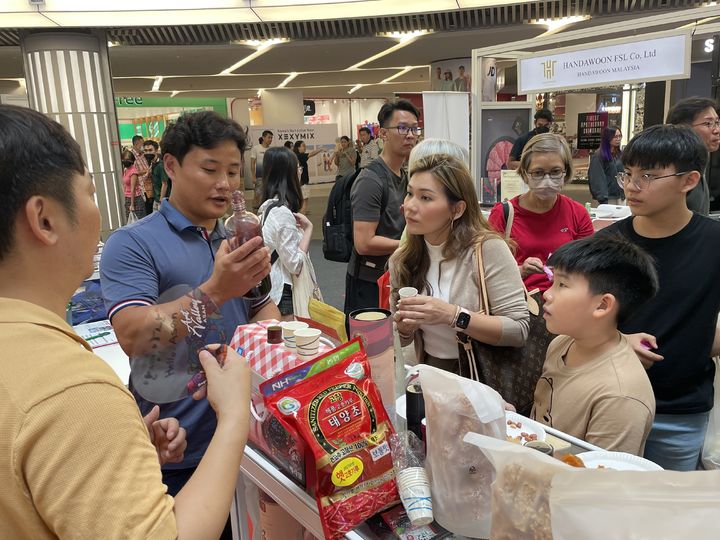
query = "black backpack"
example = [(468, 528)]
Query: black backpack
[(337, 221)]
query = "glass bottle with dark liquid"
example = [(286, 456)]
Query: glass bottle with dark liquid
[(241, 227)]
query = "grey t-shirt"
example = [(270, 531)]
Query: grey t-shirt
[(377, 195)]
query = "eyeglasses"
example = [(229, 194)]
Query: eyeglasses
[(555, 174), (710, 124), (643, 182), (404, 130)]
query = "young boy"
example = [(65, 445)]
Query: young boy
[(592, 385), (662, 164)]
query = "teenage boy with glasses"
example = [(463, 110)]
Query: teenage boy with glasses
[(674, 334), (701, 115), (376, 197)]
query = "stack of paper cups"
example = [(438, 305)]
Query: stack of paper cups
[(414, 489), (307, 343), (288, 332)]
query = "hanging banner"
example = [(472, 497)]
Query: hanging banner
[(447, 116), (590, 128), (489, 80), (616, 62), (316, 137)]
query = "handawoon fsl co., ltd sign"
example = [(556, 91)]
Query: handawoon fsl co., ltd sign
[(618, 62)]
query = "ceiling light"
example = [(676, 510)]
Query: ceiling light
[(355, 88), (174, 93), (113, 43), (404, 36), (398, 74), (260, 91), (288, 79), (261, 43), (157, 83), (556, 24), (261, 46)]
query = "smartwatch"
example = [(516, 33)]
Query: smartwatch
[(463, 319)]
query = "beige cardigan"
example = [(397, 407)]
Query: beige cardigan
[(504, 286)]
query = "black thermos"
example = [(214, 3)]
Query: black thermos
[(415, 408)]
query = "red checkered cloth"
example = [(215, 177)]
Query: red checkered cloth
[(266, 359)]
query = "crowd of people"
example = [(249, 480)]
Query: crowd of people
[(634, 307)]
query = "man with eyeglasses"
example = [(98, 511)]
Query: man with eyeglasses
[(674, 334), (701, 115), (376, 198)]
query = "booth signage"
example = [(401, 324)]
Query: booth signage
[(662, 58), (308, 107), (321, 167), (590, 128)]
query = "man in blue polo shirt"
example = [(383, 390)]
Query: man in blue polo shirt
[(157, 270)]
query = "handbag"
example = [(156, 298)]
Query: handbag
[(305, 287), (512, 371)]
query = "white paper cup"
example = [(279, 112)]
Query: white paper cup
[(289, 328), (408, 292), (307, 343), (414, 489)]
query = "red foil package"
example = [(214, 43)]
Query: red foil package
[(340, 416)]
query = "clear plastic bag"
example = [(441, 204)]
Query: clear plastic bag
[(460, 475), (521, 490), (711, 447), (132, 218), (653, 505)]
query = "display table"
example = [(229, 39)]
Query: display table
[(257, 470)]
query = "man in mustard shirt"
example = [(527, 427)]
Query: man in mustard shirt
[(78, 462)]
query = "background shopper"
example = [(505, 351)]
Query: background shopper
[(286, 232), (605, 165), (131, 186)]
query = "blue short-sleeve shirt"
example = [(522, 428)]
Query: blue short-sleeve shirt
[(156, 260)]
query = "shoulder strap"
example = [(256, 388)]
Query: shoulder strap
[(484, 299), (509, 214)]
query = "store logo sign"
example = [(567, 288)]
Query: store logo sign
[(615, 62), (549, 68)]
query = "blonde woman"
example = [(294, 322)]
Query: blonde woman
[(544, 219), (444, 230)]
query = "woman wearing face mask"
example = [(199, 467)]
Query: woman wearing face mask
[(543, 218), (445, 228), (131, 186)]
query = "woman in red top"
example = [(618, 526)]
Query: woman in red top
[(543, 219), (131, 186)]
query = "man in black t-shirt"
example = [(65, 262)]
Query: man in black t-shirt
[(375, 199), (543, 119), (675, 333)]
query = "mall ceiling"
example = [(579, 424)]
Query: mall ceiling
[(326, 58)]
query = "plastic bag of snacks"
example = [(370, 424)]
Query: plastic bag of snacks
[(460, 475), (643, 505), (521, 490), (336, 407)]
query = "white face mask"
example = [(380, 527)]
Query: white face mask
[(547, 188)]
